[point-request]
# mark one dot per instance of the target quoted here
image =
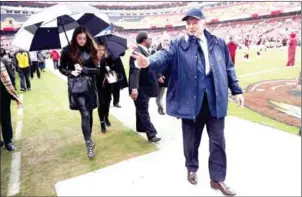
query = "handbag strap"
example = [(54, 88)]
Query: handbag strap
[(103, 84)]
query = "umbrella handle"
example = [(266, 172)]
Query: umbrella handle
[(64, 31), (65, 34)]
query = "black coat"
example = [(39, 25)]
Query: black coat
[(115, 65), (90, 70), (164, 73), (120, 70), (143, 79)]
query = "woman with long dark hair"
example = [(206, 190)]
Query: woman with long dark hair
[(79, 62)]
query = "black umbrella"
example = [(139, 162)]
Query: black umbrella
[(48, 29), (114, 44)]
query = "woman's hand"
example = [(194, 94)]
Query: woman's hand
[(75, 73)]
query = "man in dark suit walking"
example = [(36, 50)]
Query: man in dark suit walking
[(142, 86)]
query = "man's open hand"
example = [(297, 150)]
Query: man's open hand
[(141, 60)]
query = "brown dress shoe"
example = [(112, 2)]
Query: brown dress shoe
[(223, 188), (192, 178)]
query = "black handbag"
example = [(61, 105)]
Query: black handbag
[(79, 84)]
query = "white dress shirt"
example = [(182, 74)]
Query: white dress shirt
[(204, 45), (145, 48)]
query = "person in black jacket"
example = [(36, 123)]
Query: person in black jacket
[(104, 87), (142, 86), (79, 62)]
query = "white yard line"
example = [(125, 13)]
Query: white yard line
[(264, 71), (21, 97), (14, 179), (275, 87), (20, 112), (19, 123), (19, 130), (264, 82)]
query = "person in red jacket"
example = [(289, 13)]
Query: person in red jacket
[(232, 48), (55, 56), (292, 44)]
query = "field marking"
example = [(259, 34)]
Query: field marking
[(260, 90), (21, 97), (275, 87), (14, 179), (19, 130), (264, 71), (20, 112), (259, 84)]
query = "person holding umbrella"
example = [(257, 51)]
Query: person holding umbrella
[(79, 62), (109, 77), (116, 47)]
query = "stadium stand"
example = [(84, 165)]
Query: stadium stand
[(270, 20)]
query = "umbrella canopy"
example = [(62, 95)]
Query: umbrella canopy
[(53, 12), (53, 27), (115, 45)]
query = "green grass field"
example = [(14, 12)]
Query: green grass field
[(248, 73), (52, 143)]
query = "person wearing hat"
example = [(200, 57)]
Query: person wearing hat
[(201, 73), (142, 86)]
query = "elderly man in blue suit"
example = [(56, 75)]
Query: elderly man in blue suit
[(201, 73)]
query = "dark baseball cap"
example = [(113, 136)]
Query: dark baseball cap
[(195, 13)]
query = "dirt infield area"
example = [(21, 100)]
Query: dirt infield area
[(277, 99)]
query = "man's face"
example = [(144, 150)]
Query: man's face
[(195, 26), (148, 42), (165, 41)]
